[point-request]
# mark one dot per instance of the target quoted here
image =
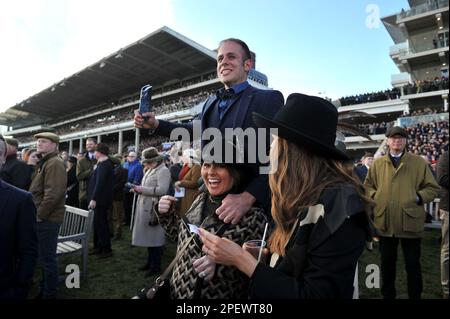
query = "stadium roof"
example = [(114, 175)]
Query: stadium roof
[(161, 58)]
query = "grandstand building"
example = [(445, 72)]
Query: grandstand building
[(99, 100), (420, 89)]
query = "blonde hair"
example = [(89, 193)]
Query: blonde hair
[(305, 175)]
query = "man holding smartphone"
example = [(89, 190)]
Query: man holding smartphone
[(232, 107)]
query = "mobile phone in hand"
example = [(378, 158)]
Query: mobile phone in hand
[(145, 103)]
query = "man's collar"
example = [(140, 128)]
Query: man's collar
[(396, 156), (238, 88), (225, 94)]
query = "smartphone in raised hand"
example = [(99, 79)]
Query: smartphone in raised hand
[(145, 103)]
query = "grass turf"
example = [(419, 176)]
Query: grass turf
[(118, 277)]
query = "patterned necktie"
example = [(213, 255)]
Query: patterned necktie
[(225, 97), (225, 94)]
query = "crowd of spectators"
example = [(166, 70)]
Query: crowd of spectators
[(419, 86), (184, 84), (126, 114), (391, 94), (425, 111), (428, 85), (375, 128), (429, 139)]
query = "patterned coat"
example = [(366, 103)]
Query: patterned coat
[(155, 184), (228, 282)]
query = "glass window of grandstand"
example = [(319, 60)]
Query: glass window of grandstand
[(443, 39), (444, 72)]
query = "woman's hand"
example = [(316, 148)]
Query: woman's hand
[(138, 189), (205, 267), (165, 203), (224, 251)]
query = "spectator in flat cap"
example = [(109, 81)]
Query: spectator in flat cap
[(18, 242), (12, 142), (49, 195), (15, 171), (100, 197), (400, 183), (396, 130), (49, 136)]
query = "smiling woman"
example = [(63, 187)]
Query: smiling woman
[(217, 178), (206, 279)]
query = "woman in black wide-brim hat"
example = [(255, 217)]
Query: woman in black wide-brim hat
[(318, 205)]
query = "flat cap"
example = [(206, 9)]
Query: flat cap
[(49, 136), (396, 130), (12, 141)]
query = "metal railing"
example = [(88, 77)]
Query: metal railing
[(422, 8)]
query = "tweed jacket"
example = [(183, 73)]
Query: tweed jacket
[(395, 192), (49, 188)]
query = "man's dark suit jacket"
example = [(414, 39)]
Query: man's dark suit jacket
[(16, 173), (239, 115), (18, 241), (101, 184), (362, 172)]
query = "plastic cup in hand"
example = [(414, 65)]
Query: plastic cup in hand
[(254, 247)]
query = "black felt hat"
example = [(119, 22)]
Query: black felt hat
[(308, 121)]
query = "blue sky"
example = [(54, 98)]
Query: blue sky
[(303, 46)]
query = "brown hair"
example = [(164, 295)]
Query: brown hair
[(27, 154), (242, 44), (307, 175)]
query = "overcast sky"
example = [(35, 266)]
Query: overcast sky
[(334, 46)]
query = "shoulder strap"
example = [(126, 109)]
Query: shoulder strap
[(169, 268)]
